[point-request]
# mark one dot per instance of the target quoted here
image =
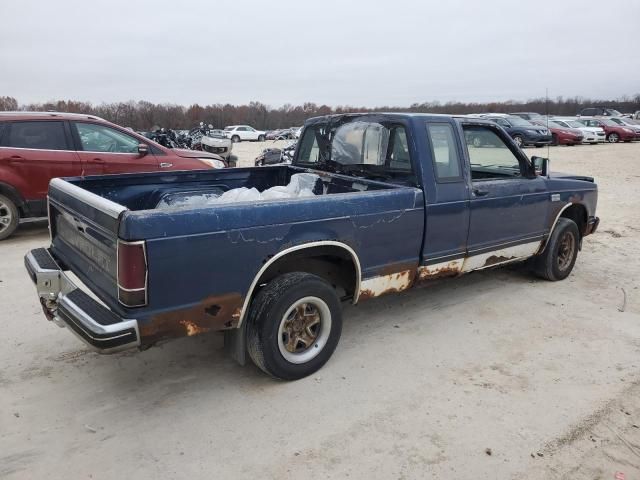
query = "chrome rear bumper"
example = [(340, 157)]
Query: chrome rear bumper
[(68, 306)]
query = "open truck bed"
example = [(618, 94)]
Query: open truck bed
[(200, 263)]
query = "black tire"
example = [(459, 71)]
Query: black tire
[(554, 140), (261, 138), (613, 138), (232, 161), (235, 139), (550, 264), (519, 140), (266, 345), (9, 217)]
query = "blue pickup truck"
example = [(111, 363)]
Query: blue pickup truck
[(393, 201)]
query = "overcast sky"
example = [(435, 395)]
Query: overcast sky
[(363, 53)]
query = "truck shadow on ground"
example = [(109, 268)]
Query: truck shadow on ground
[(199, 364)]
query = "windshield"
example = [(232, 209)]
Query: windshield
[(609, 122), (574, 124), (378, 150), (228, 129), (519, 122), (556, 125), (611, 111)]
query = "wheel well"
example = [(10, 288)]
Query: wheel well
[(12, 193), (577, 213), (332, 263)]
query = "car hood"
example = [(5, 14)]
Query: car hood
[(571, 176), (181, 152)]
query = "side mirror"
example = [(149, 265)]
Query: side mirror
[(143, 149), (540, 166)]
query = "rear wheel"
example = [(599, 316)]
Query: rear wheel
[(294, 325), (613, 138), (9, 217), (559, 256), (477, 141)]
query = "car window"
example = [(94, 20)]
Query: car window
[(309, 149), (444, 151), (250, 129), (39, 135), (490, 157), (502, 122), (398, 152), (100, 138), (618, 121)]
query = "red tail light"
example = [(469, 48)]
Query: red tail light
[(132, 273)]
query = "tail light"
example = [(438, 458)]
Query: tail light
[(132, 273)]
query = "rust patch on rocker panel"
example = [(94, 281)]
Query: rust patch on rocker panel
[(213, 314), (433, 272)]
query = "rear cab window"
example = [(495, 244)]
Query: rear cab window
[(37, 135), (376, 150)]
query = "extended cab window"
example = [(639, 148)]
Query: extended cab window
[(445, 152), (489, 155), (42, 135), (369, 149), (99, 138)]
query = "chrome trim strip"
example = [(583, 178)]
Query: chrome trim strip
[(112, 209), (303, 246), (39, 149)]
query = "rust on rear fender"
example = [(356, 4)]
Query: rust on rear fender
[(213, 314)]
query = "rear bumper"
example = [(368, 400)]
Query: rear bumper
[(68, 306)]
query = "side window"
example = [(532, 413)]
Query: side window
[(309, 148), (398, 156), (99, 138), (42, 135), (503, 123), (445, 153), (490, 157)]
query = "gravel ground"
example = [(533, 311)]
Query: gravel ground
[(495, 375)]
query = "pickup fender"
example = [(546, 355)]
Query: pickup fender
[(287, 251)]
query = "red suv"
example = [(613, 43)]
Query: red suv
[(38, 146), (614, 132)]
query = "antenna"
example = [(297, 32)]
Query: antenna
[(546, 107)]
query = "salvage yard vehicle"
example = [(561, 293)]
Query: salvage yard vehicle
[(614, 133), (522, 131), (38, 146), (561, 135), (392, 201), (592, 135), (241, 133)]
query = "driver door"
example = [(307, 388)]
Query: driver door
[(106, 150)]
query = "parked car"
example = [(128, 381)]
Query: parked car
[(628, 123), (297, 131), (613, 132), (529, 115), (216, 141), (272, 274), (561, 135), (242, 133), (599, 112), (592, 135), (281, 134), (38, 146), (522, 131)]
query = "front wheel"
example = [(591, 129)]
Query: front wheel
[(235, 139), (559, 256), (261, 138), (519, 141), (9, 217), (613, 138), (294, 325)]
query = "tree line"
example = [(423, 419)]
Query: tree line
[(143, 115)]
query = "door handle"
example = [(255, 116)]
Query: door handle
[(479, 192), (166, 165), (14, 159), (96, 160)]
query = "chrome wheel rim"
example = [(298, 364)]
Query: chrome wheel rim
[(518, 141), (304, 330), (613, 138), (477, 142), (566, 250), (6, 216)]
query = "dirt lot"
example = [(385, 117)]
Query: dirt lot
[(495, 375)]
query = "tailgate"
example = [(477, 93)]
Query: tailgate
[(84, 233)]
